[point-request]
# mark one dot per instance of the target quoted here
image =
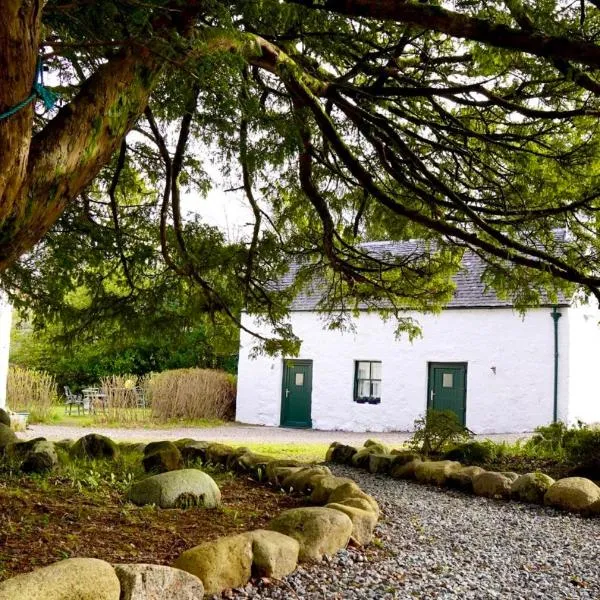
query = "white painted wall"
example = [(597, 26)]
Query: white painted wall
[(518, 397), (584, 373), (5, 319)]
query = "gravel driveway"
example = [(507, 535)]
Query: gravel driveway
[(440, 544), (234, 433)]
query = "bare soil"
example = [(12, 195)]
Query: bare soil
[(46, 520)]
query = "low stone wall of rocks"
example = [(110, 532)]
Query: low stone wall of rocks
[(573, 494), (341, 512)]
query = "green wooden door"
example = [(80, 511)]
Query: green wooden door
[(447, 389), (296, 393)]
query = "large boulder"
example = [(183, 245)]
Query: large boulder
[(177, 489), (318, 530), (254, 464), (222, 564), (435, 472), (363, 520), (22, 449), (531, 487), (4, 417), (41, 458), (94, 446), (70, 579), (7, 436), (378, 445), (492, 485), (272, 469), (575, 494), (462, 479), (157, 582), (324, 486), (161, 457), (405, 470), (274, 555), (363, 456)]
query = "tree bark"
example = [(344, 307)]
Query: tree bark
[(19, 36)]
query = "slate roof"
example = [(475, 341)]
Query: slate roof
[(470, 291)]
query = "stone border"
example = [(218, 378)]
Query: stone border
[(572, 494), (341, 512)]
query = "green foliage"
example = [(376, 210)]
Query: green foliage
[(82, 362), (437, 431), (577, 444), (474, 452)]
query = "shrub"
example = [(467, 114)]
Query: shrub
[(192, 394), (577, 444), (437, 432), (31, 391), (473, 452)]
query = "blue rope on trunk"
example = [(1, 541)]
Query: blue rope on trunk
[(38, 90)]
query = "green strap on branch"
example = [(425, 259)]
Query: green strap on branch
[(38, 90)]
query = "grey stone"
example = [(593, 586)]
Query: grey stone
[(177, 489), (157, 582)]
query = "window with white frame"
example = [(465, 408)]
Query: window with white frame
[(367, 382)]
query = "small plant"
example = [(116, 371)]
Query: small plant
[(437, 431)]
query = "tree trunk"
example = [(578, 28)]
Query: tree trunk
[(19, 33)]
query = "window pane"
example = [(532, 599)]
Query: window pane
[(363, 371), (375, 370), (376, 389), (363, 390), (447, 380), (299, 378)]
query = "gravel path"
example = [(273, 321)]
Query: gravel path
[(439, 544), (234, 433)]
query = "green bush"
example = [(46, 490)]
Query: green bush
[(577, 444), (474, 452), (437, 432)]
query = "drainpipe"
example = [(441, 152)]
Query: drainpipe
[(555, 316)]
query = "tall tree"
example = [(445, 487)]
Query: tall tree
[(472, 128)]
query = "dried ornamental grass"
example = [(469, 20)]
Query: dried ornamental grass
[(31, 391), (192, 394)]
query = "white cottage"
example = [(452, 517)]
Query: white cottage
[(500, 372), (5, 318)]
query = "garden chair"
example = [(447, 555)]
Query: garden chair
[(71, 400), (140, 397)]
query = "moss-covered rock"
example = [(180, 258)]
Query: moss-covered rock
[(64, 444), (161, 457), (343, 454), (575, 494), (94, 446), (22, 449), (254, 464), (531, 487), (222, 564), (274, 554), (184, 488), (232, 459), (318, 530), (4, 417), (380, 463), (348, 492), (403, 457), (325, 486), (378, 446), (492, 485), (194, 451), (363, 521), (7, 436), (41, 458), (306, 479), (329, 453), (218, 454), (405, 470), (70, 579), (435, 472), (272, 468), (183, 442), (462, 479)]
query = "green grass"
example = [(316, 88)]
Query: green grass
[(143, 420), (302, 452)]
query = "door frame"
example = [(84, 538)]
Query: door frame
[(282, 415), (430, 366)]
